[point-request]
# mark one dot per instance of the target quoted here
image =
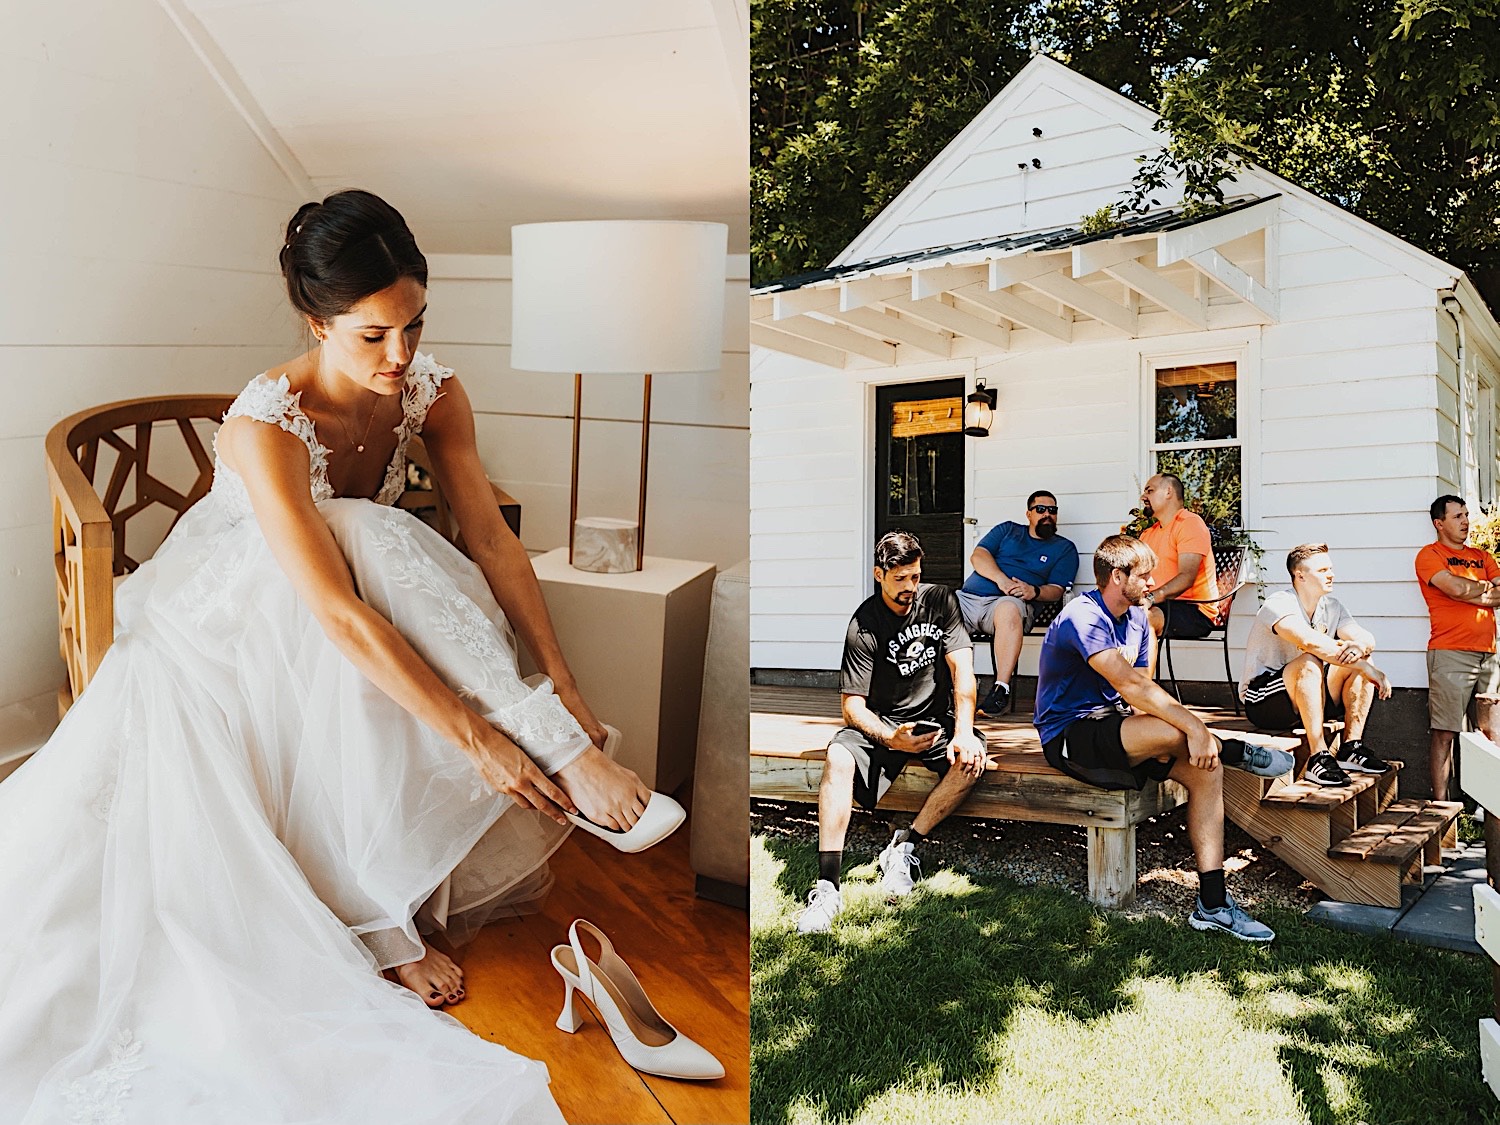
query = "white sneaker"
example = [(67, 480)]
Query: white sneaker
[(823, 905), (898, 863)]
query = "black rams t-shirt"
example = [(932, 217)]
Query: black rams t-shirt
[(896, 661)]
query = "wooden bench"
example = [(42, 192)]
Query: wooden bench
[(790, 727)]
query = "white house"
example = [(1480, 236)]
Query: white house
[(156, 148), (1355, 374)]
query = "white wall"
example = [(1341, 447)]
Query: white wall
[(699, 433), (137, 257)]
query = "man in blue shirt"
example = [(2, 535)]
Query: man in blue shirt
[(1104, 721), (1015, 566)]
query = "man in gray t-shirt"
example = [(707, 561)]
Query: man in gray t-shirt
[(1308, 660)]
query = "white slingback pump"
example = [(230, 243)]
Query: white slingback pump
[(644, 1039)]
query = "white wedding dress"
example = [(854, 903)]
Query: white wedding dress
[(233, 829)]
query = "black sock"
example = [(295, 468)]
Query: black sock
[(909, 836), (1231, 751), (829, 864), (1211, 888)]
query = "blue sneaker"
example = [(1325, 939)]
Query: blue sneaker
[(1229, 919), (1263, 761)]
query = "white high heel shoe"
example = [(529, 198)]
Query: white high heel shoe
[(662, 816), (645, 1040)]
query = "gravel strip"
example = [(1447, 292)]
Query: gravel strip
[(1057, 855)]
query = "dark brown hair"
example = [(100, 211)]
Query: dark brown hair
[(897, 548), (348, 247)]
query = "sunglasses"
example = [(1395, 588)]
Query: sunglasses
[(1045, 509)]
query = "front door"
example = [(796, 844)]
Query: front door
[(919, 471)]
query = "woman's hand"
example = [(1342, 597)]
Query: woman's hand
[(508, 770), (573, 701)]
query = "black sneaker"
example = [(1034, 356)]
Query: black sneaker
[(998, 700), (1323, 770), (1354, 758)]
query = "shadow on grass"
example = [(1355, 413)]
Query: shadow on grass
[(1369, 1030)]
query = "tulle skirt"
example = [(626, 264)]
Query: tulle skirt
[(233, 829)]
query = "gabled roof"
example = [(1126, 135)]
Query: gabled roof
[(1043, 72)]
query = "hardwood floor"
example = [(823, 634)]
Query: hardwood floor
[(691, 955)]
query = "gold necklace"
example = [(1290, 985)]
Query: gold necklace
[(360, 447)]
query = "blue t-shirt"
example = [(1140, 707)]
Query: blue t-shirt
[(1067, 688), (1041, 562)]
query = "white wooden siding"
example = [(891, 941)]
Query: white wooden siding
[(1085, 157), (140, 259)]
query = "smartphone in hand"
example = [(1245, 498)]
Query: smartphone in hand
[(923, 727)]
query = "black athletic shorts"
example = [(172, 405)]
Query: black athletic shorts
[(1187, 622), (1269, 707), (1090, 750), (877, 765)]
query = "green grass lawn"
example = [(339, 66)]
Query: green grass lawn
[(981, 1000)]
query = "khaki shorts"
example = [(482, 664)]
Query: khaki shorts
[(979, 611), (1453, 676)]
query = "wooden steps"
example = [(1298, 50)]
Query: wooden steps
[(1404, 829), (1357, 842)]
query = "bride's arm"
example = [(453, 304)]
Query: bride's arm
[(274, 466), (448, 434)]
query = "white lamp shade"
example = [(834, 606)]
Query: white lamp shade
[(626, 297)]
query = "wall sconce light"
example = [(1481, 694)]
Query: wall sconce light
[(979, 410)]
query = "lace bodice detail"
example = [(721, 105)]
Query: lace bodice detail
[(272, 401)]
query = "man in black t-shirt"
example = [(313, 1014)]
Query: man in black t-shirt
[(907, 687)]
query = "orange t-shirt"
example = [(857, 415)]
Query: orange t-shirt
[(1187, 534), (1455, 624)]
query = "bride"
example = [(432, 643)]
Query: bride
[(308, 736)]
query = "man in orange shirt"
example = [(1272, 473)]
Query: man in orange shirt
[(1459, 584), (1184, 561)]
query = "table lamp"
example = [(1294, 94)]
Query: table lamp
[(616, 297)]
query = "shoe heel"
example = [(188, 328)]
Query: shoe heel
[(571, 1019)]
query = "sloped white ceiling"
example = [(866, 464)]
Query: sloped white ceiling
[(471, 116)]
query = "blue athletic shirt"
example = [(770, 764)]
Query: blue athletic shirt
[(1068, 689), (1041, 562)]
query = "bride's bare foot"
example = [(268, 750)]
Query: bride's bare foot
[(436, 978), (604, 791)]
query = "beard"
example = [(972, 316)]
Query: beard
[(904, 597), (1147, 512), (1045, 529)]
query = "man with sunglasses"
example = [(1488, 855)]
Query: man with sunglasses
[(1015, 566)]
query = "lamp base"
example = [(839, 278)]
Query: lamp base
[(604, 546)]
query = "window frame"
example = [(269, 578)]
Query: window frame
[(1244, 353)]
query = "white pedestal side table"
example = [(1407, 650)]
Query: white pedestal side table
[(635, 643)]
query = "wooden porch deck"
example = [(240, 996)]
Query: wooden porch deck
[(789, 728)]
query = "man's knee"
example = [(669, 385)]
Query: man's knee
[(838, 765), (1005, 617), (1302, 668)]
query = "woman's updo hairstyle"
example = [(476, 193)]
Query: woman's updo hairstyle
[(340, 251)]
